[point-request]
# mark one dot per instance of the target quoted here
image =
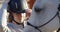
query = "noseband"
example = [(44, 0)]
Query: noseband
[(37, 27)]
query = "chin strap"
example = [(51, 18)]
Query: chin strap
[(18, 23)]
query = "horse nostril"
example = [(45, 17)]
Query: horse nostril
[(37, 9)]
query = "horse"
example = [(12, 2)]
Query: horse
[(44, 17)]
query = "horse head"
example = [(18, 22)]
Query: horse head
[(42, 13)]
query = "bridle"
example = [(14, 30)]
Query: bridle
[(37, 27)]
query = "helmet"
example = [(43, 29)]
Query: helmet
[(16, 6)]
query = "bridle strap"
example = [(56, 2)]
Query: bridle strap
[(48, 21), (33, 26), (37, 27)]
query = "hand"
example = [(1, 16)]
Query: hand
[(28, 13)]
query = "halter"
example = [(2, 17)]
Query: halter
[(37, 27)]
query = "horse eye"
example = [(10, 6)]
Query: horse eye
[(37, 9)]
